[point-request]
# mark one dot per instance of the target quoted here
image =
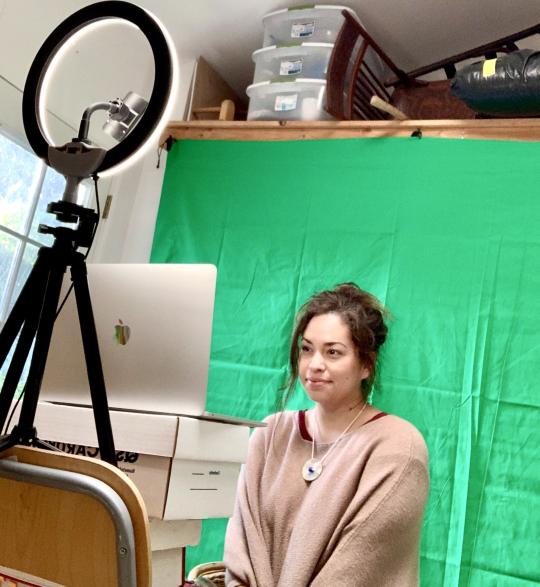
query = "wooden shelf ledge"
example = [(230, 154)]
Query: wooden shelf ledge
[(521, 129)]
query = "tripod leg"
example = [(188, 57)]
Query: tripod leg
[(43, 339), (17, 314), (93, 360), (13, 375), (53, 272), (26, 313)]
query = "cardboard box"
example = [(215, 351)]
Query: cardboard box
[(167, 540), (184, 467)]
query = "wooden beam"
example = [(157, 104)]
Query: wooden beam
[(491, 47), (524, 129)]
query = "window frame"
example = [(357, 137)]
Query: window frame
[(23, 237)]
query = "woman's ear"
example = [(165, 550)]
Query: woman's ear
[(369, 366), (366, 372)]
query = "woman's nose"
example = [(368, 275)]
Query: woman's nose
[(316, 362)]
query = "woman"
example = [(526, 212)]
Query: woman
[(334, 495)]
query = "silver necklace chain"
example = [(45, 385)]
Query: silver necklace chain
[(312, 468)]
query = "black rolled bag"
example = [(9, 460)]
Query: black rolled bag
[(506, 86)]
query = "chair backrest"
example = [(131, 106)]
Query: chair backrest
[(351, 83), (71, 520)]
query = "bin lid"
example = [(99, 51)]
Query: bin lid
[(285, 46), (279, 82), (307, 8)]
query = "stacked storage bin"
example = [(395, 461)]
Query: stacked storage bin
[(290, 70)]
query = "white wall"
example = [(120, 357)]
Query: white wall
[(126, 236)]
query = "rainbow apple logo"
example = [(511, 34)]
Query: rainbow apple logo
[(121, 332)]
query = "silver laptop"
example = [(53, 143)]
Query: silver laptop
[(154, 325)]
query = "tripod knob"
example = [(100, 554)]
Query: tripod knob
[(65, 211), (44, 229)]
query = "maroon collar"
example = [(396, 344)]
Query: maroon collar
[(304, 431)]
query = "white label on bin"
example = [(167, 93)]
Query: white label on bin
[(285, 103), (301, 30), (290, 67)]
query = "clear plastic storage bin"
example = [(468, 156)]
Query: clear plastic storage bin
[(307, 60), (299, 99), (318, 24)]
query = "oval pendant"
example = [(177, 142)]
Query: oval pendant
[(311, 469)]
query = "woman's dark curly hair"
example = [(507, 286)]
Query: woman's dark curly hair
[(360, 311)]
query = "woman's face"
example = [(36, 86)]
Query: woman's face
[(329, 367)]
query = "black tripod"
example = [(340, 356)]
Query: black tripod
[(33, 315)]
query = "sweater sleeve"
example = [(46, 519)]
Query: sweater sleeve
[(246, 555), (380, 545)]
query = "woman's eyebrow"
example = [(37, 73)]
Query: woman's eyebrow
[(325, 343)]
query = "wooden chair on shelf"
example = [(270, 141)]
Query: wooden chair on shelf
[(72, 521), (351, 82)]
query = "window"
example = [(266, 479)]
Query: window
[(27, 186)]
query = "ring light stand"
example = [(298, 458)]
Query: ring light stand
[(34, 313)]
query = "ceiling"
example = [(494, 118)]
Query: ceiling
[(225, 33)]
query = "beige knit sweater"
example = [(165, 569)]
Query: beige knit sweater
[(357, 525)]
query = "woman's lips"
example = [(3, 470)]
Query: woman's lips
[(317, 381)]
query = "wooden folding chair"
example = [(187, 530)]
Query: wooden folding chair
[(71, 520)]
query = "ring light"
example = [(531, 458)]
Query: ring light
[(163, 91), (32, 317)]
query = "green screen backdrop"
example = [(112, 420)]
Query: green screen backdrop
[(447, 234)]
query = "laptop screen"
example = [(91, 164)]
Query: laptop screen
[(154, 326)]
